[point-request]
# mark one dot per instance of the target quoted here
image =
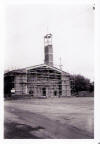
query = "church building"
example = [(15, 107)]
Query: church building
[(44, 80)]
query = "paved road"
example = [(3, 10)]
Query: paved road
[(23, 120)]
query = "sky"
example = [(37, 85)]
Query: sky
[(72, 27)]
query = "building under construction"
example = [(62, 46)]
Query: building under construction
[(42, 80)]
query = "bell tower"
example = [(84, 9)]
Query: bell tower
[(48, 49)]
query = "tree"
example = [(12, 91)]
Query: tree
[(91, 88), (80, 83)]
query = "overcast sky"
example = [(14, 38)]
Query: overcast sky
[(72, 27)]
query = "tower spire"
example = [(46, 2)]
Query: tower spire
[(48, 49)]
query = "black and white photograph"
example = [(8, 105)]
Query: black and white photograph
[(49, 71)]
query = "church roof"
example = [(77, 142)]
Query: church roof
[(24, 70), (46, 66)]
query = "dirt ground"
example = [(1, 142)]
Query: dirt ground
[(53, 118)]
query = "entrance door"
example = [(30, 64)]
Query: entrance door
[(44, 91)]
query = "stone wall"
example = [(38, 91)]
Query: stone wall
[(66, 91), (21, 84)]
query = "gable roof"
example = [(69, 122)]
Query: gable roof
[(24, 70), (46, 66)]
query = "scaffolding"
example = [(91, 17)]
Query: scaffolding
[(33, 82)]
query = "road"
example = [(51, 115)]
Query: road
[(64, 118)]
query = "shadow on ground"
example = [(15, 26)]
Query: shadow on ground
[(20, 131)]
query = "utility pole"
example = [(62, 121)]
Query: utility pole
[(60, 65)]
